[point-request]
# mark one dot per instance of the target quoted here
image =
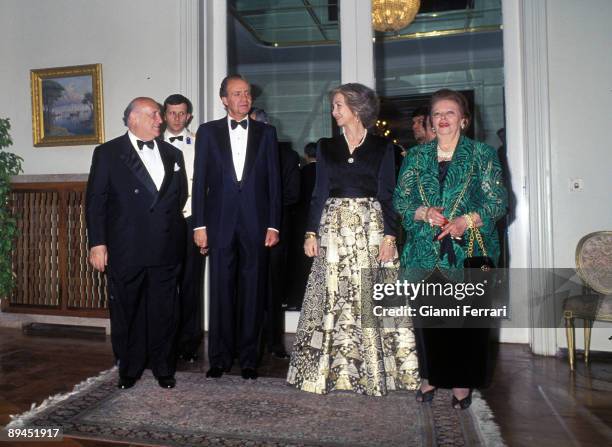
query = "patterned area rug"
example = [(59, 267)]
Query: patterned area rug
[(233, 412)]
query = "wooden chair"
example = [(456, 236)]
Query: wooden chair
[(594, 266)]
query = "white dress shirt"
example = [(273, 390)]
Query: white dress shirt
[(187, 147), (151, 158), (238, 141)]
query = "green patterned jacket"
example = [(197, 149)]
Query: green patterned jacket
[(473, 183)]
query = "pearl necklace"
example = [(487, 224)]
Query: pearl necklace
[(351, 159), (444, 155)]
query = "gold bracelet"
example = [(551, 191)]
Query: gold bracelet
[(469, 220), (310, 235), (389, 241), (424, 219)]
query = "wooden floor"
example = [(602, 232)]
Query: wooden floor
[(536, 401)]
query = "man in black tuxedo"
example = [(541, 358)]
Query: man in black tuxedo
[(135, 194), (177, 115), (300, 263), (278, 281), (236, 204)]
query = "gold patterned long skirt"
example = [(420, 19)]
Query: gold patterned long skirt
[(337, 346)]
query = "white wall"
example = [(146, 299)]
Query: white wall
[(580, 87), (136, 41)]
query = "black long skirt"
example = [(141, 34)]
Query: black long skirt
[(453, 357)]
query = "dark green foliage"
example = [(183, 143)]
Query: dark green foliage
[(10, 164)]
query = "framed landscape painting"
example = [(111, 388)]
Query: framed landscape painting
[(67, 105)]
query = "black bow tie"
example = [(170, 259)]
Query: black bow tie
[(180, 138), (244, 123), (148, 144)]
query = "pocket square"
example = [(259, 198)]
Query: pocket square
[(176, 167)]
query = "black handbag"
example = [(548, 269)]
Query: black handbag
[(483, 263), (479, 271), (478, 268)]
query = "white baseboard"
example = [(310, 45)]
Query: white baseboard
[(514, 335), (16, 321)]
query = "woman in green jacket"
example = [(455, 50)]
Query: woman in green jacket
[(448, 190)]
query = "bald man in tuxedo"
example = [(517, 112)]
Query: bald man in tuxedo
[(135, 195)]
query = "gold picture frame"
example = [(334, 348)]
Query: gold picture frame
[(67, 108)]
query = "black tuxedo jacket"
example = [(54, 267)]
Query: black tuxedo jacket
[(290, 174), (140, 225), (308, 175), (219, 201)]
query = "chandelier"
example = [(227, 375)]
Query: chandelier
[(393, 15)]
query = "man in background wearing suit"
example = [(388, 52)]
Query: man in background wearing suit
[(135, 195), (300, 263), (278, 281), (279, 255), (236, 216), (418, 124), (177, 115)]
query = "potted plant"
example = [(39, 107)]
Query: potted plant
[(10, 164)]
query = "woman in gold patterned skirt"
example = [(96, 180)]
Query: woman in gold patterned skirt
[(352, 226)]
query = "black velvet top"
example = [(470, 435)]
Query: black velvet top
[(371, 174)]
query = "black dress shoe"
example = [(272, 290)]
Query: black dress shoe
[(215, 372), (426, 396), (125, 382), (462, 404), (166, 381), (249, 373)]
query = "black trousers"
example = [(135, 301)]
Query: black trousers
[(144, 314), (191, 299), (237, 300), (278, 281)]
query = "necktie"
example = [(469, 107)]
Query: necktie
[(148, 144), (180, 138), (243, 123)]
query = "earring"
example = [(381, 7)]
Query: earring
[(462, 125), (433, 129)]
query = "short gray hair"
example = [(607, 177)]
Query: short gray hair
[(132, 105), (362, 101), (233, 77), (128, 110)]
